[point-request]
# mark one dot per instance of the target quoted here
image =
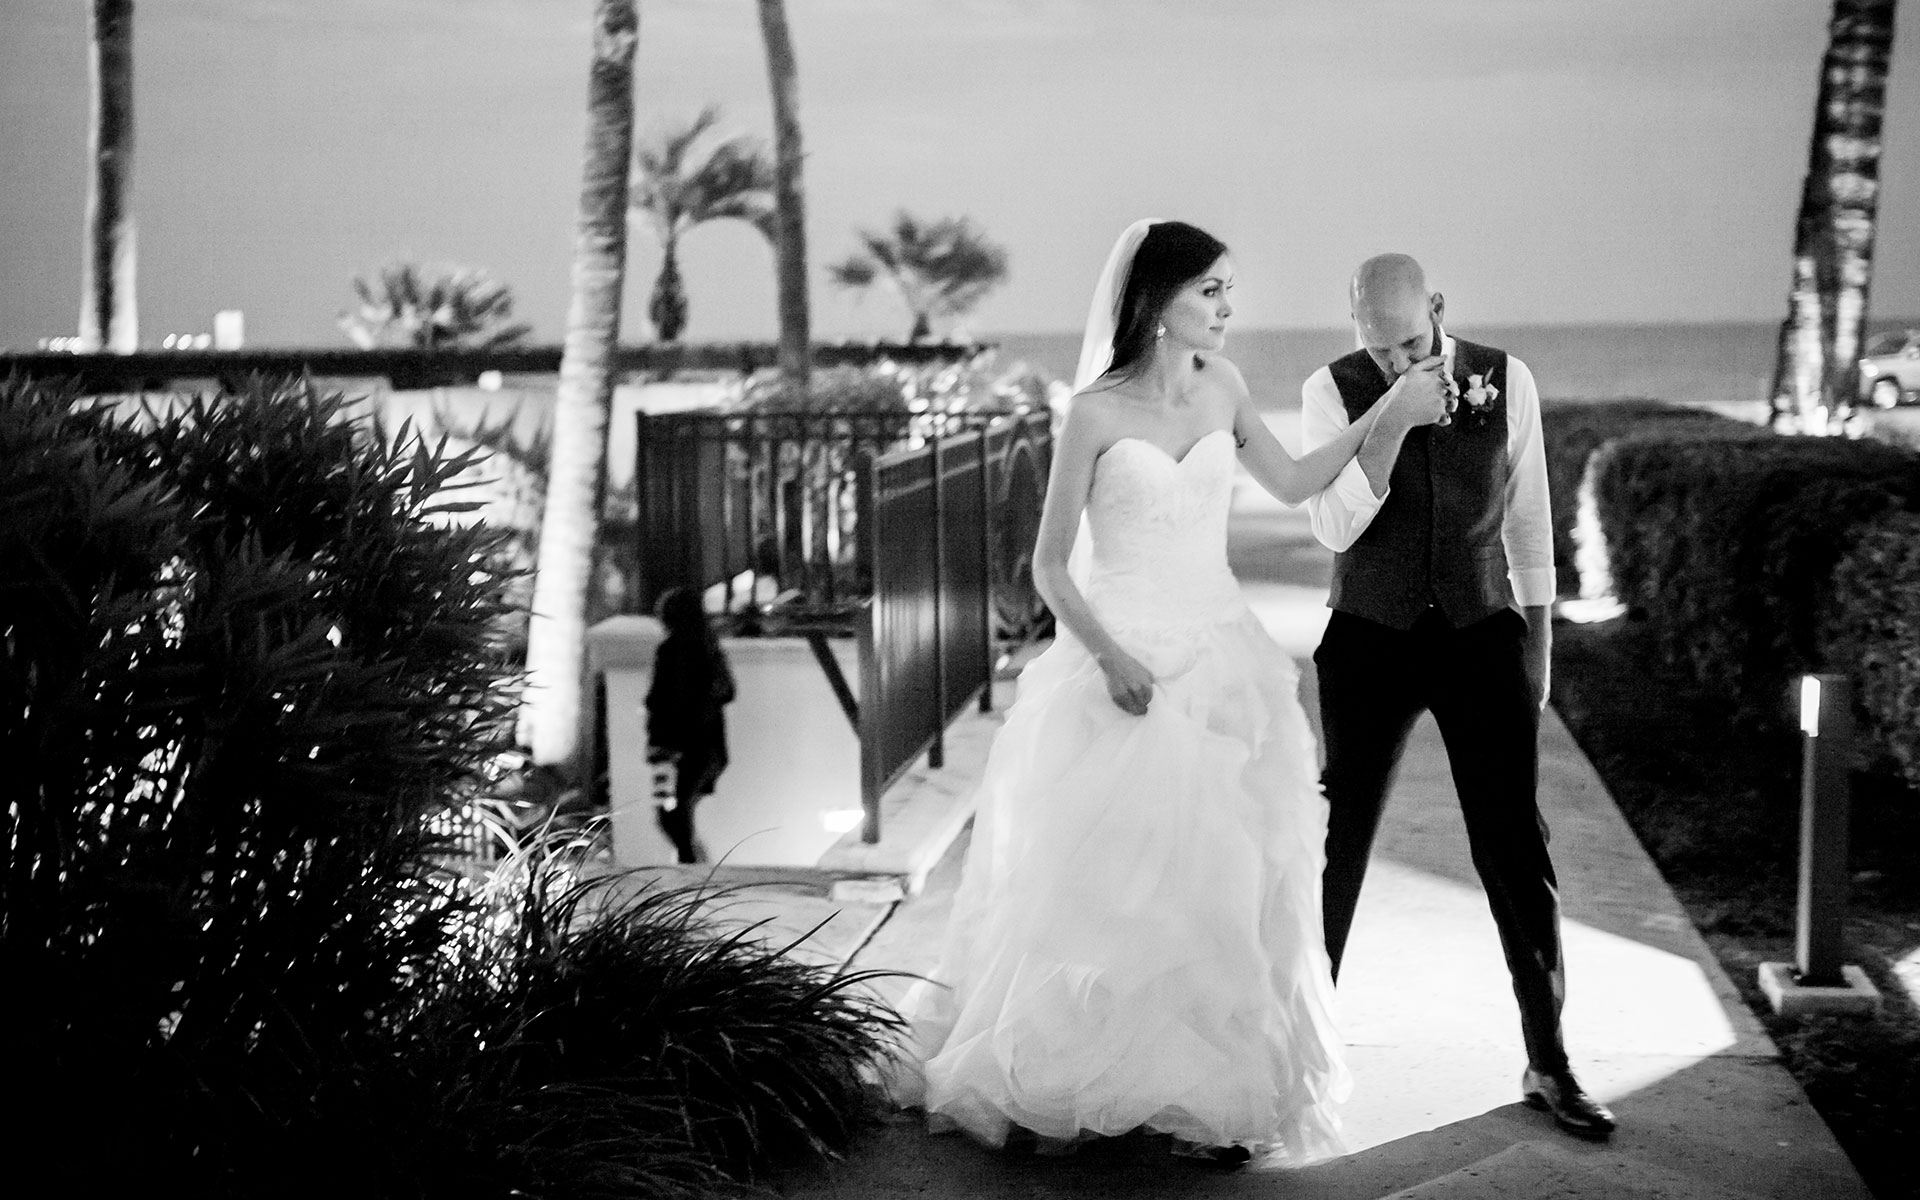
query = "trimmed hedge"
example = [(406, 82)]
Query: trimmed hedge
[(1728, 545), (1573, 429), (1755, 557), (1871, 632)]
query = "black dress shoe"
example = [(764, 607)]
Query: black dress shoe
[(1559, 1093), (1229, 1157)]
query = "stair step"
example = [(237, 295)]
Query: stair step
[(1547, 1171)]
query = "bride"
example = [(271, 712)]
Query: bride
[(1136, 941)]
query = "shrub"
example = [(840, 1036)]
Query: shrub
[(1726, 543), (246, 664), (1871, 632), (1573, 429)]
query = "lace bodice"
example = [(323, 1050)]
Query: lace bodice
[(1159, 528)]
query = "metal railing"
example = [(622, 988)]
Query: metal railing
[(911, 531), (928, 643), (767, 507)]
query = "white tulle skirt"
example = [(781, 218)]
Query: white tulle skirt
[(1137, 939)]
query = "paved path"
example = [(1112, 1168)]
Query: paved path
[(1655, 1028)]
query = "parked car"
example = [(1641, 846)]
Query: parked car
[(1890, 369)]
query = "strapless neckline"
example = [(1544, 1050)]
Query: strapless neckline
[(1162, 450)]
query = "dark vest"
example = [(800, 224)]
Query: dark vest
[(1436, 539)]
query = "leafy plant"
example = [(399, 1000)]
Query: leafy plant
[(246, 665), (432, 308), (251, 665), (938, 268)]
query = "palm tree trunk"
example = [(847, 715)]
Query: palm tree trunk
[(108, 317), (1817, 372), (790, 218), (556, 643), (668, 307)]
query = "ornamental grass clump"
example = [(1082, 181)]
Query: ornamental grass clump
[(611, 1041)]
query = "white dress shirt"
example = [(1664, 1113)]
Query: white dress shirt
[(1342, 512)]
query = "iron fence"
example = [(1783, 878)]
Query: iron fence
[(941, 519), (764, 506), (768, 508), (912, 532)]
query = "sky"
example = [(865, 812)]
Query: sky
[(1550, 161)]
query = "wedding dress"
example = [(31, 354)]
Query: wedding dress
[(1136, 941)]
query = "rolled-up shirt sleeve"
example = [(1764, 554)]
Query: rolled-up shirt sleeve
[(1342, 511), (1528, 528)]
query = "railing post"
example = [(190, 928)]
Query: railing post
[(937, 752), (986, 567), (643, 512), (871, 713)]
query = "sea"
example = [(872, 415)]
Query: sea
[(1722, 365)]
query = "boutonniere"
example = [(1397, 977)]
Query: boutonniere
[(1476, 394)]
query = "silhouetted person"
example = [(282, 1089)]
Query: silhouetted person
[(685, 726)]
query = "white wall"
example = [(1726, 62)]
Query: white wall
[(794, 754)]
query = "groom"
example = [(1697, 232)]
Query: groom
[(1442, 578)]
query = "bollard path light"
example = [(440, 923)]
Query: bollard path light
[(1818, 980)]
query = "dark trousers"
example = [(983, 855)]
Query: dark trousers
[(695, 771), (1374, 683)]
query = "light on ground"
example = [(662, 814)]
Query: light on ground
[(840, 820)]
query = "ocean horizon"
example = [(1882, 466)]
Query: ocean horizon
[(1713, 362)]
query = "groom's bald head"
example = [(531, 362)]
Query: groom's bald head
[(1393, 313)]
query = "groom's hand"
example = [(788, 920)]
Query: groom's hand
[(1421, 395), (1128, 682)]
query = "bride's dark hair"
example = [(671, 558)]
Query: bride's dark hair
[(1172, 255)]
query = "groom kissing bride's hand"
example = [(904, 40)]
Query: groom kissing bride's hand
[(1422, 394), (1442, 581)]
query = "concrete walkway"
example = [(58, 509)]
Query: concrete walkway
[(1655, 1028)]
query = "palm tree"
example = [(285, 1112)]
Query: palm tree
[(789, 199), (680, 181), (939, 268), (432, 308), (569, 524), (1817, 370), (109, 318)]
